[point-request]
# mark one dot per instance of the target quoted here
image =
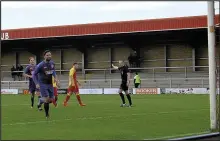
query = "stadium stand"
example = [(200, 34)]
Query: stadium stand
[(176, 58)]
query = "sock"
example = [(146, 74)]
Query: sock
[(56, 98), (129, 98), (79, 99), (46, 108), (122, 98), (67, 98), (39, 106), (41, 101), (32, 99)]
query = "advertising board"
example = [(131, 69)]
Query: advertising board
[(9, 91), (146, 91), (91, 91)]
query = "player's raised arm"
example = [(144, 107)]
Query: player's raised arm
[(115, 67), (26, 71)]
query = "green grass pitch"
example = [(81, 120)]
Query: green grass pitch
[(153, 116)]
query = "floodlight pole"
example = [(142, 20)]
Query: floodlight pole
[(212, 65)]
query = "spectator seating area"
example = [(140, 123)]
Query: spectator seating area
[(154, 59), (101, 80)]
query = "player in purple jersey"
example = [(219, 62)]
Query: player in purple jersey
[(42, 77), (29, 70)]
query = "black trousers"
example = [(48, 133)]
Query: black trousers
[(136, 85)]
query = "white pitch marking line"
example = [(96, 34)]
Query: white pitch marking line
[(94, 118), (178, 136), (22, 104), (6, 105), (15, 105)]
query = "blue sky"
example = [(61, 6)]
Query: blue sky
[(38, 14)]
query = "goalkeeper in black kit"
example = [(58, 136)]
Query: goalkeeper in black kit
[(125, 81)]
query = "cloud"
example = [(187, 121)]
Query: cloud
[(134, 6), (42, 4), (34, 14)]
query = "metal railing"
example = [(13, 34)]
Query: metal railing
[(114, 83), (150, 70), (153, 70)]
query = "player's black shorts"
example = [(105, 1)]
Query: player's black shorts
[(124, 86)]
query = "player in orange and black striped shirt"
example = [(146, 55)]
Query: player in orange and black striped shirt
[(73, 86)]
